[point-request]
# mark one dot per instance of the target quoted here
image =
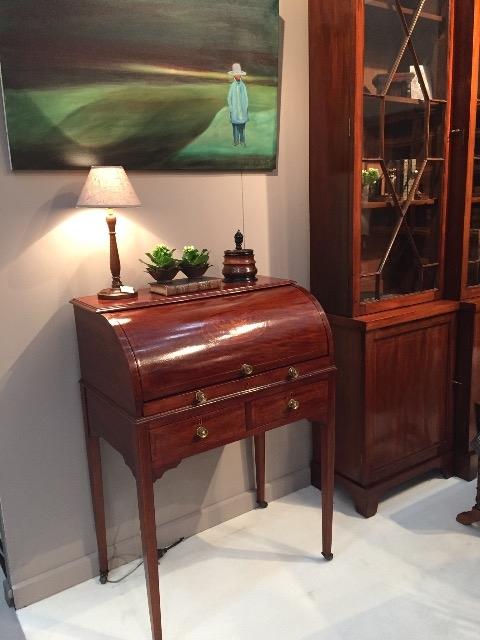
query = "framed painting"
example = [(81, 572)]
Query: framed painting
[(147, 84)]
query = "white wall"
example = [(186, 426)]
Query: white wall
[(49, 253)]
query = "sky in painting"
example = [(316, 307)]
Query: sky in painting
[(56, 42)]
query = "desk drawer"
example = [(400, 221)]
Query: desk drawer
[(182, 439), (290, 405), (290, 374)]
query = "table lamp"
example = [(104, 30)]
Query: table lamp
[(108, 188)]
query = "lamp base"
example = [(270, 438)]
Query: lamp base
[(115, 293)]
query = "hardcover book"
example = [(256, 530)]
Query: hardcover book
[(185, 285)]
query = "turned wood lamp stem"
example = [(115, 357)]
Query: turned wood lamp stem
[(115, 291), (114, 257)]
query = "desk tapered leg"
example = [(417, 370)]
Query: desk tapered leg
[(146, 509), (259, 445), (96, 486), (328, 462)]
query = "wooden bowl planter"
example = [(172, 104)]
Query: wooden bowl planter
[(163, 274), (194, 270)]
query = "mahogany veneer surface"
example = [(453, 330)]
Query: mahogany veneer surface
[(164, 378)]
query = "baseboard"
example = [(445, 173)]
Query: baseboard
[(8, 594), (68, 575)]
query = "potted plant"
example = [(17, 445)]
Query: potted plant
[(163, 265), (194, 262), (370, 177)]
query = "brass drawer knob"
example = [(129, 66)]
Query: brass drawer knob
[(202, 432), (246, 369), (292, 373), (293, 404), (200, 397)]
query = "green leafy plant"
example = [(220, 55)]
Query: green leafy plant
[(193, 256), (370, 176), (161, 256)]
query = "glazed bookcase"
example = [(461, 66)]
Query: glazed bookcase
[(380, 102), (389, 111)]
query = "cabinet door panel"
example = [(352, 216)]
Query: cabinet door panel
[(409, 378)]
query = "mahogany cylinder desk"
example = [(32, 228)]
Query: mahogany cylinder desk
[(164, 378)]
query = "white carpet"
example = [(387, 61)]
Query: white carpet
[(409, 573)]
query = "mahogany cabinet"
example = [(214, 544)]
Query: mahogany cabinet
[(467, 388), (462, 275), (394, 416), (380, 110), (164, 378)]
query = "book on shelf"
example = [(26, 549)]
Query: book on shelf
[(415, 87), (185, 285), (474, 245)]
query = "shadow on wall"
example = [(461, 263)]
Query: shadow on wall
[(288, 225), (182, 496), (42, 443), (47, 218), (43, 465), (86, 233)]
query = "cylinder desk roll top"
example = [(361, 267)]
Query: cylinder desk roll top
[(142, 352)]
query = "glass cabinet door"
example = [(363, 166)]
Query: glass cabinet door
[(473, 273), (403, 159)]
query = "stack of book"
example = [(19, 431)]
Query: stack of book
[(185, 285)]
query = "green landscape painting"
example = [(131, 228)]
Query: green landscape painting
[(147, 84)]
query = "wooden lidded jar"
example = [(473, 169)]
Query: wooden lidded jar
[(239, 263)]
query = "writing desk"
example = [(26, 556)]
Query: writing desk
[(164, 378)]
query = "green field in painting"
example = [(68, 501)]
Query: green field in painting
[(139, 125), (214, 148)]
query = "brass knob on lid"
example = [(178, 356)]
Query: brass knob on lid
[(292, 373), (200, 397), (202, 432), (293, 404), (246, 369)]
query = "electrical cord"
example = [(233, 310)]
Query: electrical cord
[(160, 553), (126, 575)]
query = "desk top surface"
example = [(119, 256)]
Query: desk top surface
[(147, 299)]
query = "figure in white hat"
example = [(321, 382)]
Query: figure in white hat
[(238, 104)]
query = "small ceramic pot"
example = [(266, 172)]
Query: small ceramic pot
[(194, 270), (162, 274)]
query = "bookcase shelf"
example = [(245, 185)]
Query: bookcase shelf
[(378, 4), (390, 204)]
